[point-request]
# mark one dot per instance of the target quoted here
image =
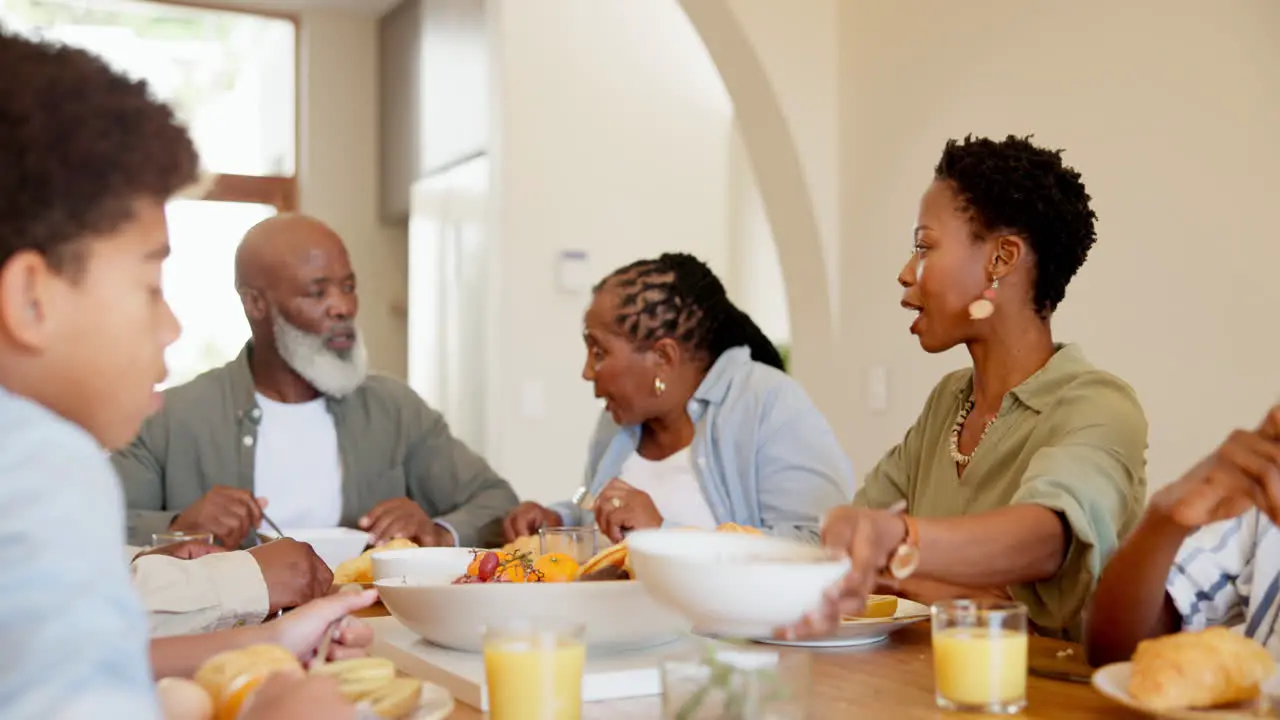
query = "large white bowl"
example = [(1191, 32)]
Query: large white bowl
[(416, 586), (732, 584), (333, 545)]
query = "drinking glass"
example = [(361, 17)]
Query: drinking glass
[(169, 538), (980, 655), (579, 543), (533, 669), (745, 684)]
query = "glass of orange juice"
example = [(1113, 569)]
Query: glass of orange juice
[(533, 669), (980, 655)]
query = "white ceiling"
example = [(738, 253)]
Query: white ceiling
[(371, 7)]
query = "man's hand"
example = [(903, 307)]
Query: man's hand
[(621, 508), (187, 550), (229, 513), (294, 573), (527, 519), (1244, 472), (403, 518)]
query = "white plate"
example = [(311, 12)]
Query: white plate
[(1113, 682), (864, 632), (436, 704)]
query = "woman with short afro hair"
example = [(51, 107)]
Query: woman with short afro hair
[(1024, 470)]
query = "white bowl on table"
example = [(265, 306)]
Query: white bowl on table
[(429, 564), (333, 545), (416, 587), (733, 584)]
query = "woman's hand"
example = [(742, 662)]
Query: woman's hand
[(868, 538), (527, 519), (302, 630), (620, 507)]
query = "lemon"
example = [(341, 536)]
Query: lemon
[(878, 606)]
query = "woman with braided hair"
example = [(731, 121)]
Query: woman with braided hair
[(701, 425)]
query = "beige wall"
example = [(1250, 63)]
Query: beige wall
[(1168, 107), (612, 136), (337, 168), (798, 46), (754, 272)]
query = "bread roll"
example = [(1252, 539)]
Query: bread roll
[(231, 677), (1201, 669)]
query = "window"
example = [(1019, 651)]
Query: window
[(232, 78), (199, 283)]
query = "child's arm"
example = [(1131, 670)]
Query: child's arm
[(300, 631), (1131, 603), (1190, 559), (182, 655)]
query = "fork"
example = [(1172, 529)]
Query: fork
[(267, 519), (335, 627)]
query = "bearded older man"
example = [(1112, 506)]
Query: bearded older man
[(298, 422)]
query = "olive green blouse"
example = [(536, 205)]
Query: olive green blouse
[(1071, 438)]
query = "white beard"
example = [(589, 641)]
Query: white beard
[(333, 373)]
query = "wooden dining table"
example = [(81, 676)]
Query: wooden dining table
[(892, 680)]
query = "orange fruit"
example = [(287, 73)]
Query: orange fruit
[(556, 567), (236, 694), (511, 572), (474, 568)]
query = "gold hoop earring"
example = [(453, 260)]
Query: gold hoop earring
[(659, 387)]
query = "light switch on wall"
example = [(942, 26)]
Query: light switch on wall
[(878, 389), (573, 271)]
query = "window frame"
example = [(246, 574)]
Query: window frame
[(279, 191)]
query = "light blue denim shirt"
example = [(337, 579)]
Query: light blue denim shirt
[(73, 634), (763, 454)]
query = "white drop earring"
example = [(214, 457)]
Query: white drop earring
[(984, 306)]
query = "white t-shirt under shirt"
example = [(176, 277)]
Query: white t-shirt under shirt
[(297, 466), (673, 486)]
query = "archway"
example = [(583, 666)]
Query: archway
[(785, 194)]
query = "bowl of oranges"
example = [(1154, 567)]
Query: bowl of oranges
[(448, 595)]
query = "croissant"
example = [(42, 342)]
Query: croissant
[(1198, 669)]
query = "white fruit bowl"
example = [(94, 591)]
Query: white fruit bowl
[(416, 587), (730, 584)]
